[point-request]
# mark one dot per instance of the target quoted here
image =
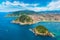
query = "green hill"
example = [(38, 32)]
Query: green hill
[(25, 18)]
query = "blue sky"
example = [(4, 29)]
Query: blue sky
[(34, 5)]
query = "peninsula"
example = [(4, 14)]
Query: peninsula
[(35, 18), (30, 17), (23, 20)]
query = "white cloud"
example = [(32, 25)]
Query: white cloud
[(16, 5), (54, 5)]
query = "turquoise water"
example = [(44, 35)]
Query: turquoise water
[(10, 31)]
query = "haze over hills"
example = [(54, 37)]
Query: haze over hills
[(33, 12)]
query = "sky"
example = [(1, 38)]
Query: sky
[(33, 5)]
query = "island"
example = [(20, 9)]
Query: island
[(42, 31)]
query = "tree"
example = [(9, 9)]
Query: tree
[(25, 18), (41, 29)]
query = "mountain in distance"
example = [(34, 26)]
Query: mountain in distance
[(50, 12), (33, 12)]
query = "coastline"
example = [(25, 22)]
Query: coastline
[(18, 22), (42, 18)]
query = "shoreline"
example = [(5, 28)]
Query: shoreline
[(18, 22), (21, 22), (39, 18), (43, 18)]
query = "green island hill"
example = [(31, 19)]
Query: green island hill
[(23, 19), (42, 31)]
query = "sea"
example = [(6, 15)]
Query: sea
[(11, 31)]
